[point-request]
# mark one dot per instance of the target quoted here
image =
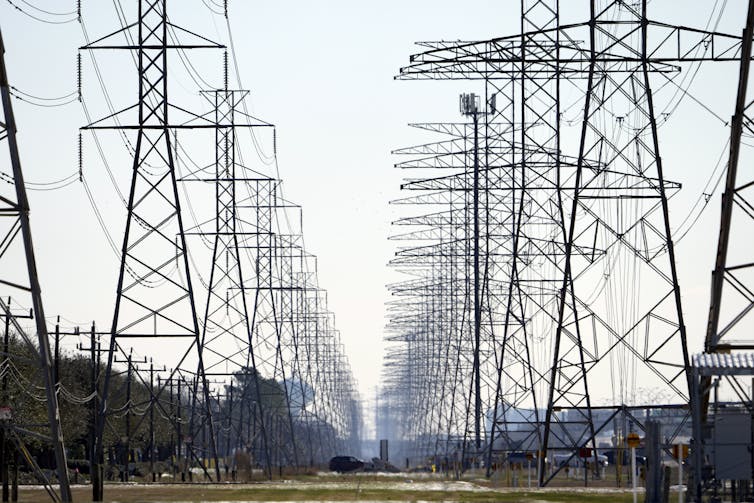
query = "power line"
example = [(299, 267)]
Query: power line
[(40, 19)]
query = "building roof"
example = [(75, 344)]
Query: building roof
[(723, 363)]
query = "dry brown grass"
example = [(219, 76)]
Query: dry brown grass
[(331, 489)]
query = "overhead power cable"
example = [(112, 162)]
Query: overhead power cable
[(51, 13), (209, 6), (41, 98), (38, 18)]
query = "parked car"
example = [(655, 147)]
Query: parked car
[(343, 464)]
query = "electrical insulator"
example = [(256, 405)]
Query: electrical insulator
[(81, 158), (78, 74), (225, 69)]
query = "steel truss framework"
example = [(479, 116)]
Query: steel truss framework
[(274, 317), (226, 330), (155, 298), (732, 296), (21, 284), (578, 274), (265, 332)]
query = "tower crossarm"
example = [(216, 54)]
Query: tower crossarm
[(502, 57)]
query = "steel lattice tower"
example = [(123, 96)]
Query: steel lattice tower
[(728, 331), (265, 318), (154, 299), (569, 213), (732, 298), (23, 283), (226, 341), (268, 322), (628, 168)]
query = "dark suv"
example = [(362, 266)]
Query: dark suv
[(344, 464)]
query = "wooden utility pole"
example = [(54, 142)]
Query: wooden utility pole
[(127, 439), (95, 466)]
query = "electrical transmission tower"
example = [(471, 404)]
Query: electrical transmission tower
[(261, 369), (270, 321), (458, 247), (732, 298), (22, 284), (578, 268), (728, 341), (154, 297), (227, 335)]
